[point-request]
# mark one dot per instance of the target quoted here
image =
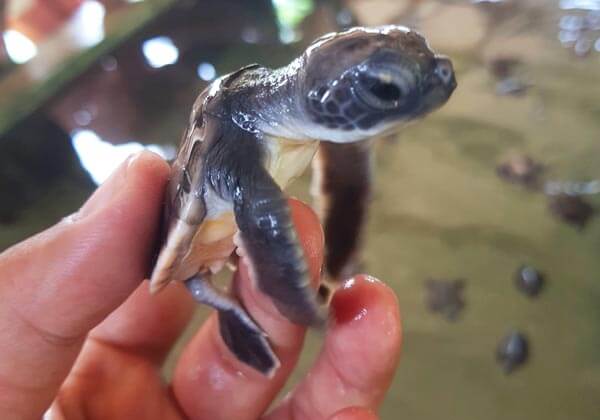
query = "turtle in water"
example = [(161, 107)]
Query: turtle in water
[(521, 169), (571, 209), (445, 297), (255, 130)]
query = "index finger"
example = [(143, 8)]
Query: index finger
[(59, 284), (209, 381)]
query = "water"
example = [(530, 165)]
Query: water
[(441, 211)]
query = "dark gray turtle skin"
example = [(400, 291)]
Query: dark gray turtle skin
[(251, 133)]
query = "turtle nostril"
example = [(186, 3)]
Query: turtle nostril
[(445, 71)]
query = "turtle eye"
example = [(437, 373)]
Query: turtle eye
[(383, 89), (386, 91)]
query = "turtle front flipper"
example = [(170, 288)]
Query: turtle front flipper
[(342, 188), (266, 234), (277, 261), (244, 338)]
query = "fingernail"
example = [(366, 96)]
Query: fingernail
[(353, 300), (106, 192)]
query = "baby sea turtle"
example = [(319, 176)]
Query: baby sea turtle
[(507, 82), (255, 130), (521, 169), (503, 67), (445, 297), (512, 351), (571, 209)]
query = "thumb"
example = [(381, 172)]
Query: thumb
[(57, 285)]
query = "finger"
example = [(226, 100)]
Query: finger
[(108, 383), (354, 413), (210, 382), (148, 325), (59, 284), (359, 358)]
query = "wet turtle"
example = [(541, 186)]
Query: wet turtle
[(521, 169), (445, 297), (252, 132), (504, 69), (571, 209)]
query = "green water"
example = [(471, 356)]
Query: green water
[(440, 211)]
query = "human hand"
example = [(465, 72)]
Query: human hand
[(78, 328)]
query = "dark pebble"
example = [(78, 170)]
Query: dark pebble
[(529, 280), (512, 351)]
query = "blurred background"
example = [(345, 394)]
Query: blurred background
[(483, 217)]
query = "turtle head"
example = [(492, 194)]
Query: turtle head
[(363, 82)]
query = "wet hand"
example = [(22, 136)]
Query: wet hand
[(79, 332)]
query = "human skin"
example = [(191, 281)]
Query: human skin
[(79, 330)]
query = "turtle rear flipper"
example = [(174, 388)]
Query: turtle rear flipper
[(342, 188), (244, 338)]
